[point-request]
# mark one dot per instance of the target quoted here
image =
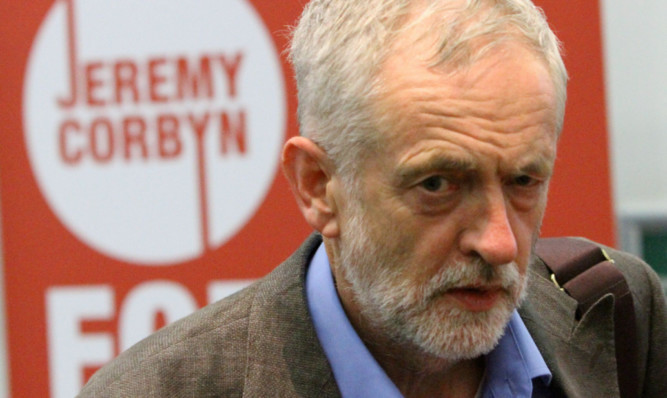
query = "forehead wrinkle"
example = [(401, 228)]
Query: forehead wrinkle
[(450, 155), (480, 108), (502, 133), (420, 101)]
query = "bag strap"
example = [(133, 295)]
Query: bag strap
[(583, 270)]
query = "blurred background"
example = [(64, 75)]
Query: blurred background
[(139, 154)]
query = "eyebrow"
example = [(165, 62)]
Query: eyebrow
[(540, 166), (406, 174)]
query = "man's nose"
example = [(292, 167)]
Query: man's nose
[(489, 233)]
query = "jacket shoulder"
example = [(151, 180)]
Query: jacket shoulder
[(203, 354), (651, 319), (218, 349)]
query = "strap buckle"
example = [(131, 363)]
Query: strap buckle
[(553, 279), (606, 256)]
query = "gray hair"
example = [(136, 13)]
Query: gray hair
[(339, 46)]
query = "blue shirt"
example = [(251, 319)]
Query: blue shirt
[(513, 368)]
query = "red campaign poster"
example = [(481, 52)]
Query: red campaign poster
[(140, 171), (139, 175)]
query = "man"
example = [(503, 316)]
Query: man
[(428, 138)]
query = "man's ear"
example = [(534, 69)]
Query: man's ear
[(310, 173)]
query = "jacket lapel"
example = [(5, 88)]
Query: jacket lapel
[(579, 353), (282, 344)]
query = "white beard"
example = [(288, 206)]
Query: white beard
[(393, 304)]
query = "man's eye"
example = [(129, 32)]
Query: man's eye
[(524, 181), (433, 184)]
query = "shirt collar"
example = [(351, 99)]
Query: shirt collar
[(515, 365), (355, 370), (511, 367)]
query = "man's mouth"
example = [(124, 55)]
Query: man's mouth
[(476, 298)]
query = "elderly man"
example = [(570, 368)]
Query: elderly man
[(428, 138)]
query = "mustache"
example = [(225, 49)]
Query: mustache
[(476, 274)]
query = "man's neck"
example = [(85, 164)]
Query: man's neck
[(420, 376)]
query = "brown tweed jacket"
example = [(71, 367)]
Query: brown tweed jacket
[(261, 342)]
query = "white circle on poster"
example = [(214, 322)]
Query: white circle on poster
[(154, 128)]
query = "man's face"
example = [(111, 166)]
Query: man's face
[(435, 245)]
